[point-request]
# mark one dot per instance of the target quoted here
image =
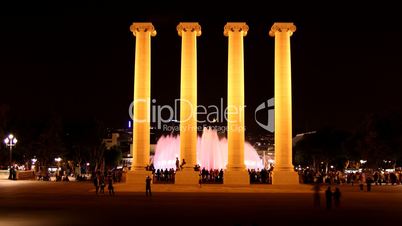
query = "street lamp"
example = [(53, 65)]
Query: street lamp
[(34, 160), (10, 141), (58, 159)]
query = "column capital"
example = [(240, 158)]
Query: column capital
[(235, 26), (189, 26), (142, 27), (282, 27)]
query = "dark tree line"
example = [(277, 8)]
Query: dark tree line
[(49, 137), (378, 139)]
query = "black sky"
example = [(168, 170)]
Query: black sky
[(77, 59)]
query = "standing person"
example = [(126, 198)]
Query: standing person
[(10, 177), (96, 183), (199, 179), (15, 173), (148, 186), (110, 186), (337, 197), (177, 164), (182, 164), (328, 197), (316, 196), (368, 181), (352, 178), (102, 185), (361, 185)]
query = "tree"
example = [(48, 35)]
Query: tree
[(326, 146), (85, 140), (49, 144), (380, 138), (113, 156), (4, 109)]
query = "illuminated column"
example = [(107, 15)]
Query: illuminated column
[(188, 103), (142, 94), (236, 172), (283, 171)]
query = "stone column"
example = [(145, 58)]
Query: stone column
[(142, 94), (284, 172), (188, 103), (236, 172)]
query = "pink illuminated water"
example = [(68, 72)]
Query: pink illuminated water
[(212, 152)]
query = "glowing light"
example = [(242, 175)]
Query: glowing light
[(212, 152), (10, 140)]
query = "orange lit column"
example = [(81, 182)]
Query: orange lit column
[(236, 172), (283, 171), (188, 102), (142, 93)]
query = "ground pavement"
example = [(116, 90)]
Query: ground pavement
[(75, 203)]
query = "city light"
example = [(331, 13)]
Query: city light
[(10, 142)]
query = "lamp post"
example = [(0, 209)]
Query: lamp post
[(10, 141), (34, 160), (58, 159)]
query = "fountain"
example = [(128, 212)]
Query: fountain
[(212, 152)]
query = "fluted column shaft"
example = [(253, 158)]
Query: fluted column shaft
[(188, 93), (142, 94), (283, 171), (235, 33)]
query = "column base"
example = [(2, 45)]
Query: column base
[(236, 177), (285, 177), (187, 176), (137, 176)]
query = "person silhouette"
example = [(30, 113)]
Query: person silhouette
[(182, 164), (361, 185), (148, 186), (96, 183), (328, 197), (177, 164), (337, 197), (316, 195), (368, 181), (110, 186)]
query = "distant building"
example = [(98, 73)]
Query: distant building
[(123, 139), (112, 141), (265, 146), (300, 137)]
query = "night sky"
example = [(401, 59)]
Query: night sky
[(77, 60)]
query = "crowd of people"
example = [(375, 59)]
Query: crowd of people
[(263, 176), (163, 176), (208, 176), (377, 177), (100, 180), (330, 197)]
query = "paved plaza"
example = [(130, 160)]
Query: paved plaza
[(75, 203)]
